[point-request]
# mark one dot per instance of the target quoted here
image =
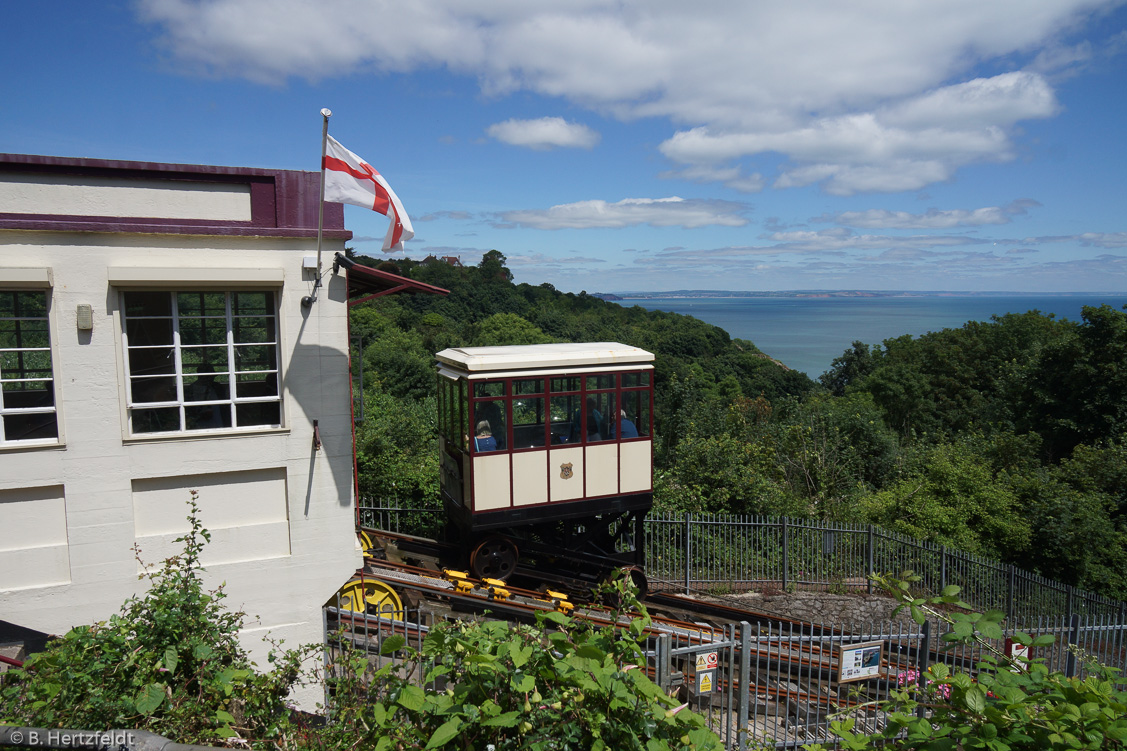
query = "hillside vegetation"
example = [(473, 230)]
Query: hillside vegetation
[(1004, 439)]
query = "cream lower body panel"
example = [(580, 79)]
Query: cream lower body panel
[(491, 482), (565, 474), (636, 467), (530, 485)]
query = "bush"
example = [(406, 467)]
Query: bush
[(560, 684), (169, 663)]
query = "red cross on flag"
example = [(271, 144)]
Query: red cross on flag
[(349, 179)]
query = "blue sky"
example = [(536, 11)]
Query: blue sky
[(619, 145)]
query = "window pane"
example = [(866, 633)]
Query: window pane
[(159, 420), (205, 388), (207, 417), (258, 413), (202, 331), (30, 427), (600, 382), (23, 334), (27, 394), (529, 386), (492, 414), (636, 405), (564, 409), (570, 383), (204, 359), (25, 364), (148, 304), (31, 304), (489, 388), (148, 390), (202, 303), (249, 385), (599, 409), (464, 414), (253, 329), (629, 380), (7, 304), (252, 303), (143, 332), (155, 361), (255, 357), (528, 422)]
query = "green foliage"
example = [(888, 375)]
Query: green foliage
[(169, 662), (397, 451), (1007, 705), (971, 436), (954, 497), (561, 684), (508, 328)]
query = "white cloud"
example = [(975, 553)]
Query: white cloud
[(930, 219), (629, 212), (868, 98), (731, 176), (544, 133), (1104, 239)]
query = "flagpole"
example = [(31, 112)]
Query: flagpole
[(326, 113)]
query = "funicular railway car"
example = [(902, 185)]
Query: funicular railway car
[(546, 454)]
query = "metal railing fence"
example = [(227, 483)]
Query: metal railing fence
[(720, 551), (732, 553)]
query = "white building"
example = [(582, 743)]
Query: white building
[(153, 341)]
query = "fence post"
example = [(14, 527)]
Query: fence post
[(786, 554), (1013, 594), (663, 662), (744, 685), (688, 548), (942, 567), (869, 563), (923, 658), (1073, 640)]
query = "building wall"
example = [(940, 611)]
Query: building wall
[(280, 511)]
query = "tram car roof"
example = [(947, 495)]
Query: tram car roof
[(564, 356)]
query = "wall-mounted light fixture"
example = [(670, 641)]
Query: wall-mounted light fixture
[(85, 317)]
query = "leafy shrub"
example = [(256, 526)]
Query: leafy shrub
[(559, 684), (1010, 704), (169, 662)]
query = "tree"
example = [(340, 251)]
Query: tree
[(169, 663), (508, 328), (953, 496)]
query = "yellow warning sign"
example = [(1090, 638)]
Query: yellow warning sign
[(704, 682), (707, 660)]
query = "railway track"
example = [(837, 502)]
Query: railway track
[(403, 572)]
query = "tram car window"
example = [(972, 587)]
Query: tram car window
[(536, 435)]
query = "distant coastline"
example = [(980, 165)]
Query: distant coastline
[(821, 293)]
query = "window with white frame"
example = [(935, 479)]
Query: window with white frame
[(27, 384), (201, 360)]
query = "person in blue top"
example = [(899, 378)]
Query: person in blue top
[(629, 429), (484, 440)]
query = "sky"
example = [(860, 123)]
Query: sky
[(634, 145)]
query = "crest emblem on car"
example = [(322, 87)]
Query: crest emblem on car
[(565, 471)]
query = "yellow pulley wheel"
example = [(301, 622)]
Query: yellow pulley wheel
[(366, 544), (370, 596)]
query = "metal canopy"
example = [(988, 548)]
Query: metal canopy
[(365, 283)]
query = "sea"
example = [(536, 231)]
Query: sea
[(807, 333)]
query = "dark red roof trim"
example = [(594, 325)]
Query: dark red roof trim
[(283, 202)]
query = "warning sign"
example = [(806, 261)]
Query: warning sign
[(704, 682), (707, 660)]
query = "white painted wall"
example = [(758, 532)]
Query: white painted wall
[(281, 513)]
